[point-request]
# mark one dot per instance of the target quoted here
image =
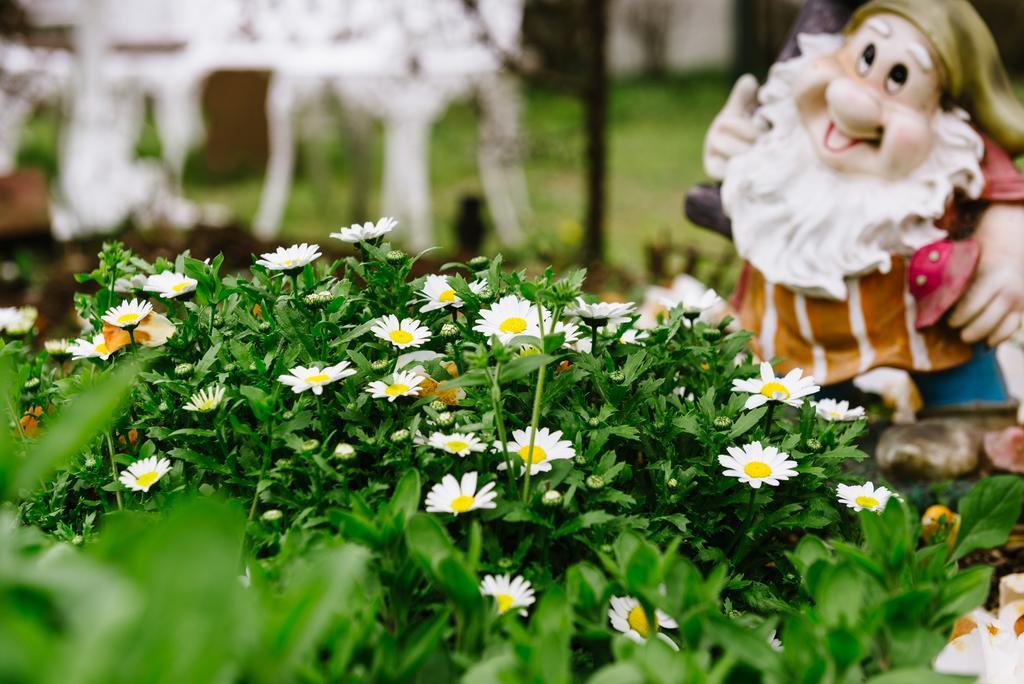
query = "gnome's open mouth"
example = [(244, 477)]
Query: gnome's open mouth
[(836, 141)]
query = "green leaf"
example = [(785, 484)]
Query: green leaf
[(746, 422), (919, 676), (523, 366), (988, 513)]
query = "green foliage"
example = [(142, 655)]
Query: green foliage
[(316, 500)]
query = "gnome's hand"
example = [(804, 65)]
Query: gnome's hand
[(992, 308), (734, 130)]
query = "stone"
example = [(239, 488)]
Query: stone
[(933, 449)]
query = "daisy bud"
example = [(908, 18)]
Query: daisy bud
[(437, 405), (287, 415), (711, 334), (318, 298), (606, 548), (163, 407), (90, 462), (506, 563), (814, 444), (380, 364), (344, 452), (479, 262), (272, 515), (265, 326), (445, 419), (399, 436), (485, 295), (183, 369), (672, 483), (77, 540), (551, 498), (594, 422), (395, 257), (253, 368), (449, 331), (617, 376), (579, 459), (31, 383), (229, 367), (218, 321), (722, 422), (595, 482), (311, 445)]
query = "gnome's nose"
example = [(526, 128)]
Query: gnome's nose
[(854, 109)]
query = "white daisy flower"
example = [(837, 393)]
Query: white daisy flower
[(687, 292), (459, 443), (684, 393), (405, 333), (403, 384), (754, 465), (438, 294), (206, 400), (633, 336), (290, 258), (96, 348), (865, 496), (142, 475), (366, 231), (547, 447), (774, 642), (572, 332), (508, 593), (833, 410), (601, 313), (128, 314), (790, 389), (314, 378), (131, 284), (169, 284), (452, 496), (509, 317), (628, 616), (16, 320), (58, 348)]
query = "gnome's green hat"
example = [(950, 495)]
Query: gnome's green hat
[(975, 77)]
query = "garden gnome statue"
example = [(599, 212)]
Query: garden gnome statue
[(872, 196)]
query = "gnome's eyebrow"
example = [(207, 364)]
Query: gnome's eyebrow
[(880, 25), (920, 53)]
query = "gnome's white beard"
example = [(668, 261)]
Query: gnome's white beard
[(808, 227)]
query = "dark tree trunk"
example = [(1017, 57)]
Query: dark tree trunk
[(595, 106)]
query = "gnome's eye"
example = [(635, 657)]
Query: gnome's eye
[(866, 59), (896, 79)]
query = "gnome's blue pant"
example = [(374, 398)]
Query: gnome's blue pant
[(978, 380)]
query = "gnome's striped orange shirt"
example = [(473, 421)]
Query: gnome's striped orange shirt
[(875, 325)]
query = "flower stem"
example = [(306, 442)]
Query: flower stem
[(538, 397), (593, 340), (499, 421), (746, 523), (113, 471), (769, 419), (323, 419)]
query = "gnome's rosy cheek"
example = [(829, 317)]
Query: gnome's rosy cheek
[(906, 143)]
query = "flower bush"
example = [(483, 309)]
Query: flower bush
[(424, 434)]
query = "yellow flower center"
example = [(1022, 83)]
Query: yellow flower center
[(757, 469), (461, 504), (533, 458), (181, 286), (396, 390), (866, 501), (127, 318), (513, 325), (400, 336), (456, 445), (323, 377), (504, 602), (835, 414), (447, 296), (207, 405), (101, 348), (775, 390), (146, 479), (637, 620), (288, 262)]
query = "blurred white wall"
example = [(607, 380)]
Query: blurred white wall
[(683, 34)]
